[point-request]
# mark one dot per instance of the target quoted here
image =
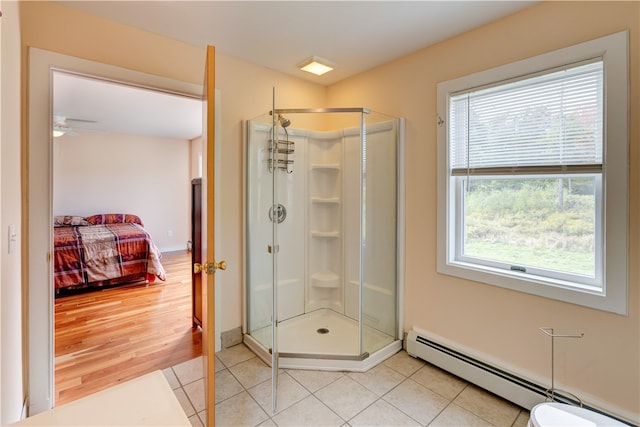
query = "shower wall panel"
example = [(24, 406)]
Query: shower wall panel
[(379, 226), (259, 229), (352, 161), (291, 191), (371, 210)]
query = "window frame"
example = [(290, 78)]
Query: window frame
[(613, 50)]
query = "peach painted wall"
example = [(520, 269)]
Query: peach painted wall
[(11, 311), (502, 325), (245, 92)]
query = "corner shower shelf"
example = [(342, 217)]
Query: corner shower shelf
[(326, 166), (325, 280), (326, 234), (325, 200)]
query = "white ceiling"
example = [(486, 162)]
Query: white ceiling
[(355, 35), (87, 104)]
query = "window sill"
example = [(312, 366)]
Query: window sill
[(586, 296)]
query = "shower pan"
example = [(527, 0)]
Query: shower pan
[(323, 236)]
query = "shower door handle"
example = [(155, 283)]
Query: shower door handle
[(209, 267)]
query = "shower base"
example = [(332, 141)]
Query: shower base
[(324, 340)]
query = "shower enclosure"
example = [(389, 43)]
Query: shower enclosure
[(322, 229)]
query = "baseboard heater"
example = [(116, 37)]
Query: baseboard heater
[(511, 387), (498, 381)]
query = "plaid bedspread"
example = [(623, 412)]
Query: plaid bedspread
[(94, 255)]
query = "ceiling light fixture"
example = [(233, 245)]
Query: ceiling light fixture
[(316, 65)]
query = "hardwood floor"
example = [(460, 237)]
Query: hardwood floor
[(109, 336)]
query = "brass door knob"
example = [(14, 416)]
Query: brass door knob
[(209, 267)]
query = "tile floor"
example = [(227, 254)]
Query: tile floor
[(402, 391)]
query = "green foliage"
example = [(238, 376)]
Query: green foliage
[(553, 259), (546, 223)]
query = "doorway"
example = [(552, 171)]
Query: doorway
[(122, 149), (40, 216)]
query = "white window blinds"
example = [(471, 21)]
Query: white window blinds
[(546, 123)]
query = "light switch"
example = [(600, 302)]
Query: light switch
[(12, 237)]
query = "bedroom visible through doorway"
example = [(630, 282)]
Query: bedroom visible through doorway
[(131, 151)]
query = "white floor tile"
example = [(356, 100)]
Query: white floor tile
[(488, 406), (203, 417), (417, 401), (403, 363), (308, 412), (219, 365), (288, 393), (455, 416), (382, 413), (240, 410), (187, 407), (346, 397), (523, 419), (195, 393), (171, 378), (195, 421), (267, 423), (226, 386), (189, 371), (435, 379), (234, 355), (251, 372), (314, 380), (402, 391), (379, 380)]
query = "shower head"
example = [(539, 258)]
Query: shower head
[(284, 122)]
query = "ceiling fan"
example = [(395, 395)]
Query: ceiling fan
[(65, 125)]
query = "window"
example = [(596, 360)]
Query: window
[(532, 175)]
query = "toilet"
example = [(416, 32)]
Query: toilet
[(560, 414)]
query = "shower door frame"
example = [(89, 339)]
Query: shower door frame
[(274, 255)]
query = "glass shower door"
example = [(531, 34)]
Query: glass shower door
[(259, 233), (264, 214)]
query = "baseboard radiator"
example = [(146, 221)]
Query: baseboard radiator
[(505, 384), (498, 381)]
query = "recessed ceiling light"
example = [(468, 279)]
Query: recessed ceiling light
[(316, 65)]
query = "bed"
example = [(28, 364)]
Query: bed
[(103, 250)]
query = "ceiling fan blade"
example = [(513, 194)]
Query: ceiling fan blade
[(67, 125), (71, 119)]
